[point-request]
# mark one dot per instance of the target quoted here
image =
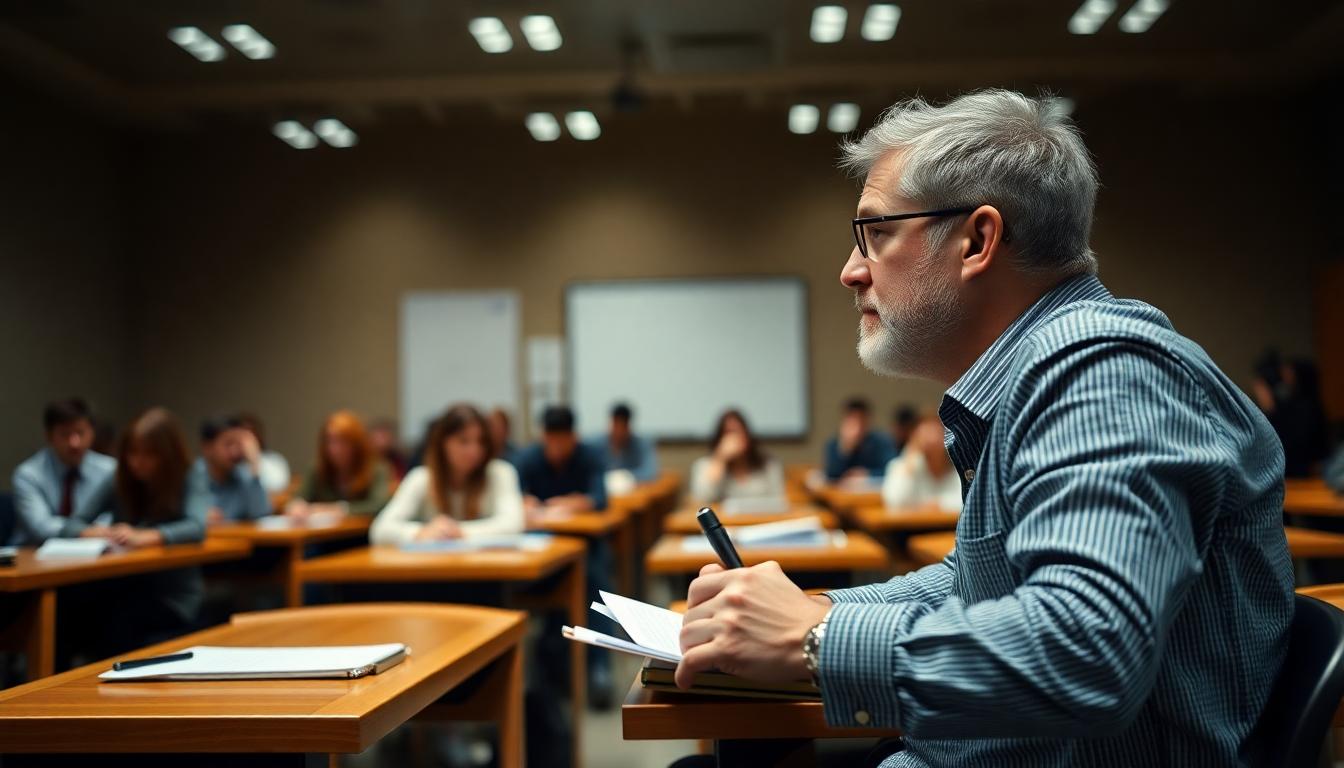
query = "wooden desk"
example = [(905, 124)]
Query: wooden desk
[(1306, 543), (36, 582), (843, 501), (1311, 498), (930, 548), (292, 542), (880, 519), (390, 565), (683, 520), (859, 552), (75, 712), (614, 521)]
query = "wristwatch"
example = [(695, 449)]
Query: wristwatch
[(812, 648)]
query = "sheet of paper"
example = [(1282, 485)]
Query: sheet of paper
[(527, 542), (220, 660), (648, 625), (56, 549), (601, 640)]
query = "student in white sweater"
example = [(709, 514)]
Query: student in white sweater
[(736, 467), (923, 473), (460, 492)]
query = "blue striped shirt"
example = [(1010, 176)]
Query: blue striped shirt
[(1120, 593)]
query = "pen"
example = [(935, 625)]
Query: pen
[(718, 538), (134, 663)]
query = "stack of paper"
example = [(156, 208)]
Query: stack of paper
[(802, 532), (655, 632), (527, 542), (56, 549), (209, 662)]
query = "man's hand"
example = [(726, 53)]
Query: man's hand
[(214, 516), (851, 433), (748, 622)]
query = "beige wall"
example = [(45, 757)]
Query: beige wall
[(271, 279)]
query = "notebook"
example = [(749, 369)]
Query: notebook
[(57, 549), (528, 542), (211, 662), (659, 675)]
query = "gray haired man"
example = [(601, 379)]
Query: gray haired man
[(1120, 593)]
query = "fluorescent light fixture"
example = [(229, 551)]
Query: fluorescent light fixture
[(828, 23), (843, 117), (543, 126), (803, 118), (582, 125), (335, 133), (197, 43), (541, 33), (248, 41), (490, 34), (1141, 15), (294, 134), (1090, 16), (879, 22)]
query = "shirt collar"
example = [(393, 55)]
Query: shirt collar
[(981, 387), (59, 468)]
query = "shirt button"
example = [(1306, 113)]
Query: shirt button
[(970, 475), (861, 717)]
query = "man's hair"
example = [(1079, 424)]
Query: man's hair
[(622, 412), (215, 426), (58, 413), (556, 419), (905, 416), (1023, 156), (859, 405)]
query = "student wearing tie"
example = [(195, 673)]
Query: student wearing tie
[(350, 477), (50, 486), (155, 500), (459, 492), (736, 466), (228, 465)]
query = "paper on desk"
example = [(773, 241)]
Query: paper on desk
[(55, 549), (527, 542), (803, 532), (229, 663), (759, 505), (655, 632)]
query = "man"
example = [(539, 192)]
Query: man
[(903, 423), (857, 451), (230, 457), (51, 486), (622, 449), (272, 467), (1121, 591)]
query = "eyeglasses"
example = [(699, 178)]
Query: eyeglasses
[(860, 225)]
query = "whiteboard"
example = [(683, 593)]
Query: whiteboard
[(681, 351), (457, 346)]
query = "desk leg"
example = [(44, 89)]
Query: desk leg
[(510, 715), (576, 590), (38, 622), (625, 544), (293, 586)]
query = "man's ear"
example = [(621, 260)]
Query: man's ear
[(982, 238)]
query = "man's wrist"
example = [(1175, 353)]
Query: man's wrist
[(812, 648)]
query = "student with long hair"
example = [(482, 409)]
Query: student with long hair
[(350, 477), (460, 491), (736, 466), (155, 500)]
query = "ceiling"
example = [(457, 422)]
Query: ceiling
[(376, 60)]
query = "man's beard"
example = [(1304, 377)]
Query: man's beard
[(910, 336)]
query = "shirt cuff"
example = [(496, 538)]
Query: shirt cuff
[(856, 666), (868, 593)]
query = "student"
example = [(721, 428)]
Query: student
[(857, 451), (350, 477), (621, 449), (560, 473), (1289, 392), (736, 466), (460, 491), (155, 500), (501, 435), (383, 437), (51, 485), (228, 465), (903, 422), (922, 474), (272, 467)]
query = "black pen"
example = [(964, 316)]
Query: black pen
[(718, 538), (134, 663)]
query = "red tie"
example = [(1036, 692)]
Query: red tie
[(68, 494)]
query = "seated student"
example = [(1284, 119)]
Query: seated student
[(155, 500), (459, 492), (383, 438), (228, 466), (349, 477), (736, 466), (501, 435), (903, 422), (857, 450), (50, 486), (560, 473), (272, 467), (923, 473), (621, 449)]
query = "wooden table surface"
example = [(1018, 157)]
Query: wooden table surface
[(350, 526), (1311, 497), (880, 519), (76, 712), (683, 520), (858, 552), (595, 523), (930, 548), (1307, 543), (386, 563), (29, 573), (842, 500)]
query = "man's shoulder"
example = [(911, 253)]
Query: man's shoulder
[(31, 467), (527, 458), (100, 462)]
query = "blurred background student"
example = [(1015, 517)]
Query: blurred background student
[(383, 437), (460, 491), (349, 477), (560, 474), (50, 486), (736, 467), (622, 450), (923, 473), (272, 468), (1289, 392), (501, 435), (228, 465), (903, 421), (857, 450), (155, 500)]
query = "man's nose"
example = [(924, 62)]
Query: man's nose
[(856, 273)]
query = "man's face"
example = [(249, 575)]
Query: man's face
[(71, 441), (225, 451), (907, 294), (558, 447), (620, 431)]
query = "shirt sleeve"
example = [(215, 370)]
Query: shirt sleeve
[(399, 521), (504, 513), (377, 495), (836, 462), (646, 469), (1065, 636), (196, 502), (36, 518)]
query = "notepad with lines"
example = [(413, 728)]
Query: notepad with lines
[(211, 662)]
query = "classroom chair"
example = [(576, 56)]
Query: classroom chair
[(1309, 687)]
